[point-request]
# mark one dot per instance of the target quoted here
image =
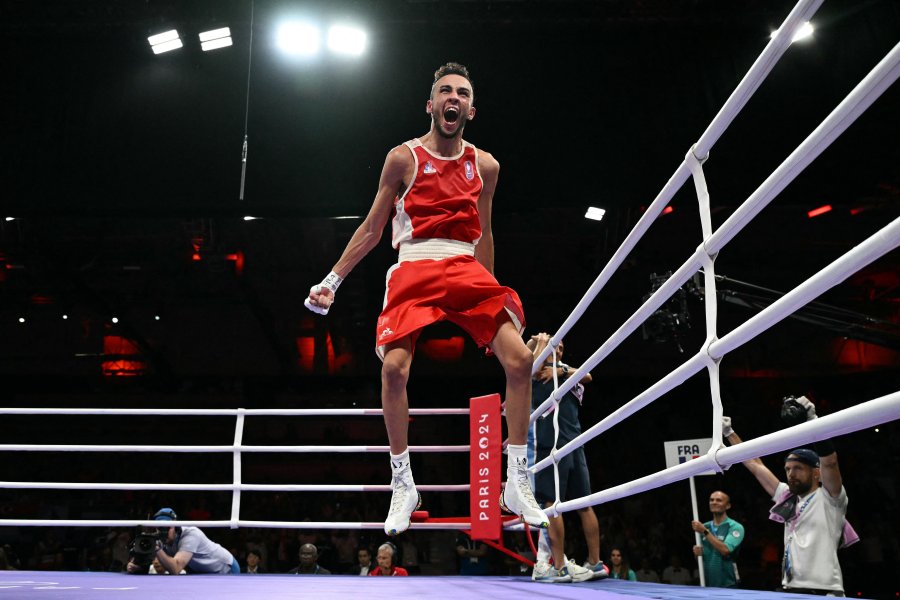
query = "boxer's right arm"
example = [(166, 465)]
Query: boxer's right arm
[(398, 167)]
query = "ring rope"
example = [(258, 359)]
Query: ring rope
[(226, 487), (873, 248), (237, 449), (869, 89), (229, 412), (773, 51), (852, 419), (868, 414), (220, 449)]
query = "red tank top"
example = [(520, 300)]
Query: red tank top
[(442, 199)]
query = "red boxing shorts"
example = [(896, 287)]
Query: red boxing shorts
[(457, 289)]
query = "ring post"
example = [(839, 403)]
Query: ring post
[(484, 467)]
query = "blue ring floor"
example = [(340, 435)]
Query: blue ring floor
[(24, 585)]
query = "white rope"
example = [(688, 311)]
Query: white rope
[(873, 248), (885, 73), (223, 487), (887, 239), (862, 416), (219, 449), (852, 419), (240, 523), (229, 412), (736, 101)]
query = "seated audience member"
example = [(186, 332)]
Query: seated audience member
[(253, 567), (645, 573), (618, 566), (309, 562), (676, 574), (385, 558)]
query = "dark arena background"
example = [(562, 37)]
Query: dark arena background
[(142, 267)]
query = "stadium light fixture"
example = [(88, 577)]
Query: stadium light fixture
[(165, 42), (215, 39), (594, 213), (346, 40), (298, 38)]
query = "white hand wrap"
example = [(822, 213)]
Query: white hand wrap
[(809, 406), (332, 281), (726, 427)]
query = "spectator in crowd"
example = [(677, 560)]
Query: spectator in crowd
[(309, 562), (364, 556), (645, 573), (720, 540), (618, 566), (253, 567), (256, 544), (675, 574), (386, 567)]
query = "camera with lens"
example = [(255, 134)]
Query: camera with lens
[(792, 412), (143, 549)]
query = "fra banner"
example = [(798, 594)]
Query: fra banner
[(484, 466)]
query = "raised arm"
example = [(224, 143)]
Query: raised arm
[(490, 170), (763, 475), (398, 168), (829, 470)]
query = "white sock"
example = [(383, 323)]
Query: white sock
[(518, 457), (399, 461)]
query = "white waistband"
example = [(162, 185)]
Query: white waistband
[(434, 249)]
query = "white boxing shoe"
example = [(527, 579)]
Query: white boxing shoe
[(517, 497), (404, 501)]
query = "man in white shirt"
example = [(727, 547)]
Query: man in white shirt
[(812, 505), (365, 561)]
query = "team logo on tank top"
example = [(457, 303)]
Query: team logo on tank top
[(470, 172), (429, 168)]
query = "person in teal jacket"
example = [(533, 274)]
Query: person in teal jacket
[(721, 540)]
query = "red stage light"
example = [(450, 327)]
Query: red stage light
[(819, 211)]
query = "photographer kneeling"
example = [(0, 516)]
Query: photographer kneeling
[(179, 548)]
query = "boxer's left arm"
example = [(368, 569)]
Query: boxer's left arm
[(490, 170)]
